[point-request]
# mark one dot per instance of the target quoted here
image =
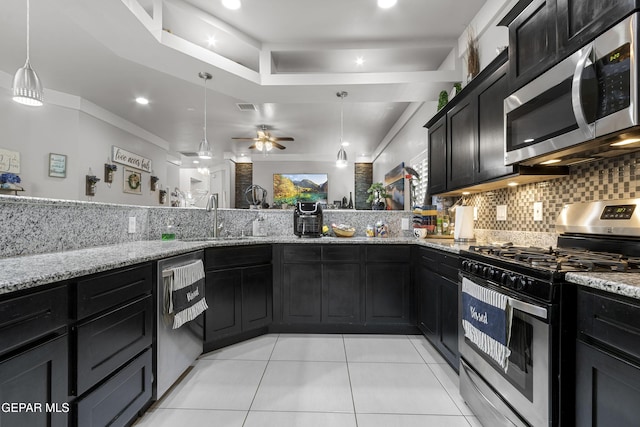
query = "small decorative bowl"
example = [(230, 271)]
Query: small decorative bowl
[(343, 232)]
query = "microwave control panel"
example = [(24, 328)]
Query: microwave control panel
[(614, 79)]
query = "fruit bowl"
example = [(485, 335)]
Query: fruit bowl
[(342, 230)]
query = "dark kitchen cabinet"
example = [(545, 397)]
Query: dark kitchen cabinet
[(437, 293), (321, 284), (112, 345), (607, 360), (388, 285), (466, 138), (239, 293), (438, 156), (302, 293), (532, 42), (461, 143), (580, 21), (37, 375), (490, 96)]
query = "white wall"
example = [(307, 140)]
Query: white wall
[(86, 141), (341, 181)]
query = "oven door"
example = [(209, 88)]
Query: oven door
[(489, 390)]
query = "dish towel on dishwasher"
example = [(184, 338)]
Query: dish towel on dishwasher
[(184, 293), (486, 320)]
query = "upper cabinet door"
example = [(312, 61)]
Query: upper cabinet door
[(580, 21), (461, 128), (532, 42), (438, 157), (491, 95)]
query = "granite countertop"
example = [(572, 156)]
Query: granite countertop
[(625, 284), (35, 270)]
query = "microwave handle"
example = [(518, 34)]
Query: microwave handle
[(576, 96)]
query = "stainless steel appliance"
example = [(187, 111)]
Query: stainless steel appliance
[(597, 236), (307, 219), (577, 109), (176, 349)]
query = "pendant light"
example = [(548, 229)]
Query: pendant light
[(204, 151), (341, 160), (27, 88)]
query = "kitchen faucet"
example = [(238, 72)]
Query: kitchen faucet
[(212, 205)]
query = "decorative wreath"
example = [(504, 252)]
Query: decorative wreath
[(134, 181)]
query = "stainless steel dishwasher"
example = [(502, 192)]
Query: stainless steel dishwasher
[(176, 349)]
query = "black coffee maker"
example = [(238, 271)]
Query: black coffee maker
[(307, 219)]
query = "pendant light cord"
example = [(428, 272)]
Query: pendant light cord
[(28, 30), (205, 108), (341, 117)]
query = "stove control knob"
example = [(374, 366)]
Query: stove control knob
[(511, 281), (465, 265), (496, 275), (522, 284), (475, 268), (503, 278)]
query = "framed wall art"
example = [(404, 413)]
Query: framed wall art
[(305, 187), (57, 165), (132, 182)]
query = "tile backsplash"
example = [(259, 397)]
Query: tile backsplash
[(608, 179)]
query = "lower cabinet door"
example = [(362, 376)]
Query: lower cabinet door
[(449, 319), (109, 341), (257, 297), (607, 389), (118, 400), (341, 293), (224, 316), (37, 377), (302, 293), (388, 293), (429, 303)]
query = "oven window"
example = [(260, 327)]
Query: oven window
[(547, 116), (520, 371)]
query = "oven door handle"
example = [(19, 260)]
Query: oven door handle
[(531, 309)]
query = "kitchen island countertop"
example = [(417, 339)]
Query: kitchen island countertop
[(30, 271)]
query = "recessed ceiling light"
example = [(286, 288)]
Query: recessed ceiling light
[(529, 140), (231, 4), (211, 41), (465, 193), (195, 162), (359, 60), (550, 162), (345, 143), (386, 4), (142, 101), (512, 184), (191, 109)]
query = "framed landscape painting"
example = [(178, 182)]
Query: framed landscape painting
[(289, 188)]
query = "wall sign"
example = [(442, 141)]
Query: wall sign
[(57, 165), (9, 161), (127, 158)]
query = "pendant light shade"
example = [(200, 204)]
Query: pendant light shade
[(341, 159), (27, 88), (204, 150)]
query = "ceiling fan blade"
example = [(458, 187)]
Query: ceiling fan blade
[(251, 147), (282, 138), (246, 139), (275, 144), (262, 134)]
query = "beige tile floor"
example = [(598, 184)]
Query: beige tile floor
[(289, 380)]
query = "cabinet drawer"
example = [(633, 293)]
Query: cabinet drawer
[(301, 253), (32, 316), (340, 253), (613, 321), (388, 253), (118, 400), (218, 258), (104, 291), (445, 264), (106, 343)]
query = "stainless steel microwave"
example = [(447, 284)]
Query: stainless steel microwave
[(581, 106)]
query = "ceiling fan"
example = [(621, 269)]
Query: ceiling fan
[(265, 141)]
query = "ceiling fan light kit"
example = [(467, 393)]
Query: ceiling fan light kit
[(341, 159), (264, 141), (204, 150), (27, 88)]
